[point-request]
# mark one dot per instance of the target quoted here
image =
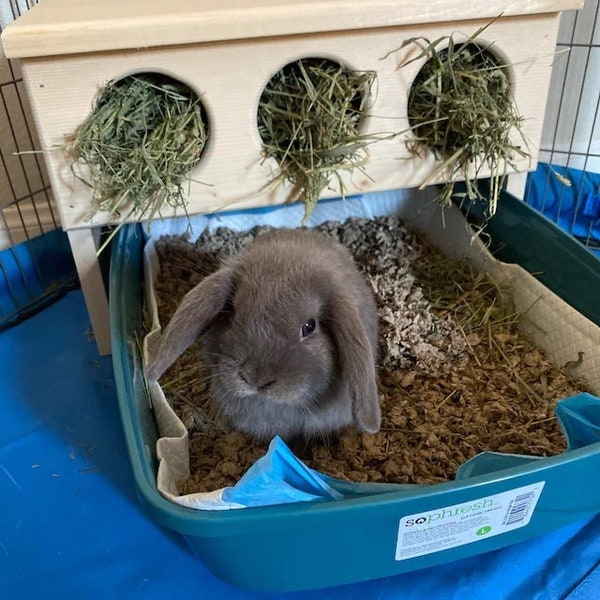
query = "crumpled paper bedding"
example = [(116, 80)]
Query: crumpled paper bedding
[(280, 477)]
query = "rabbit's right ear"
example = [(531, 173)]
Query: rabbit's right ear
[(198, 309), (357, 362)]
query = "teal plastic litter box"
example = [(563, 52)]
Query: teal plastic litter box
[(310, 545)]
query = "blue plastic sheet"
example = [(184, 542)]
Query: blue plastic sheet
[(279, 477)]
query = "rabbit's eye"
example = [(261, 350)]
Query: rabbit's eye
[(308, 327)]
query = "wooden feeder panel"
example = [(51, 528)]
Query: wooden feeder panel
[(227, 54)]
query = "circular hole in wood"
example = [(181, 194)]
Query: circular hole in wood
[(461, 101), (309, 118), (145, 134)]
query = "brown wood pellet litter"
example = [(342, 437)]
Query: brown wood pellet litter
[(455, 376)]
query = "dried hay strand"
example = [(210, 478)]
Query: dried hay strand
[(144, 135), (455, 375), (461, 108), (309, 117)]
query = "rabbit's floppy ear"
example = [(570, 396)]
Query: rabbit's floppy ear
[(357, 362), (199, 307)]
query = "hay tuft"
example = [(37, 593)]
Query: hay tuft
[(139, 144), (309, 117), (461, 108)]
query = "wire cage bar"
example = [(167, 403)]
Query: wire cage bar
[(35, 259), (566, 185)]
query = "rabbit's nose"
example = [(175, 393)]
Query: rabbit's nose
[(265, 383), (259, 381)]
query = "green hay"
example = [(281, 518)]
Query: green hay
[(308, 118), (461, 109), (139, 144)]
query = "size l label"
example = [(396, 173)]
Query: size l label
[(459, 524)]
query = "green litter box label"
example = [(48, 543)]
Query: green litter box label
[(459, 524)]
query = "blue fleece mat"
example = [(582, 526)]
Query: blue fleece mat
[(71, 526)]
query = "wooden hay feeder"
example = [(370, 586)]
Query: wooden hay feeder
[(226, 53)]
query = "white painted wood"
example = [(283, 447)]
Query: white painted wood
[(84, 245), (63, 27), (230, 78), (516, 185)]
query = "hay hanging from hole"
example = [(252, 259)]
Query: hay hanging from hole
[(461, 109), (308, 118), (139, 144)]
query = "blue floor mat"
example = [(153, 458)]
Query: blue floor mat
[(71, 525)]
